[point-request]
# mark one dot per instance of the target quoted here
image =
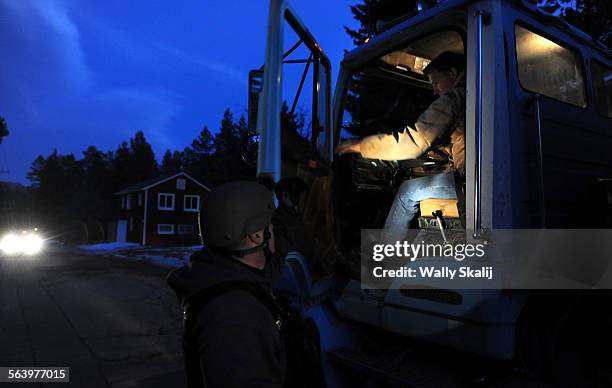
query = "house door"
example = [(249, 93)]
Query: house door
[(121, 230)]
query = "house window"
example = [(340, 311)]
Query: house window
[(186, 229), (139, 199), (165, 201), (180, 184), (131, 224), (192, 203), (548, 68), (128, 201), (123, 202), (165, 228)]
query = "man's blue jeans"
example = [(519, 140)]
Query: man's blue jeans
[(408, 196)]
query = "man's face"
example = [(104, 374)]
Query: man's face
[(442, 81)]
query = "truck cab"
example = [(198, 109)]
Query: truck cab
[(537, 140)]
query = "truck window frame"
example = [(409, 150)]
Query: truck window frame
[(601, 64), (535, 30), (341, 107)]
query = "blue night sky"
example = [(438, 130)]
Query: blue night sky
[(79, 73)]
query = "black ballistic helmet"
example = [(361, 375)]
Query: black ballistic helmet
[(232, 211)]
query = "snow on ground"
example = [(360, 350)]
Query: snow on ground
[(164, 256), (111, 246)]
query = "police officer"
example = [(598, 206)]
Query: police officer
[(232, 336)]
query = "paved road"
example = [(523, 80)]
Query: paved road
[(113, 321)]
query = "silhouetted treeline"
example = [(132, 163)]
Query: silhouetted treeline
[(69, 187)]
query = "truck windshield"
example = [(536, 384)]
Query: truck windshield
[(390, 92)]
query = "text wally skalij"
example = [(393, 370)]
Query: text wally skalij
[(429, 272)]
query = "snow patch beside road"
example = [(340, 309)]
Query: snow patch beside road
[(111, 246), (171, 257)]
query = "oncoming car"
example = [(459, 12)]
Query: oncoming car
[(22, 242)]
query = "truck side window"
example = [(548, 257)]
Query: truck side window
[(602, 88), (549, 69)]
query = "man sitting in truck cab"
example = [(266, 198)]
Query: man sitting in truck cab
[(439, 134)]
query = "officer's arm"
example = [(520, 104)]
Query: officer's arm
[(238, 345)]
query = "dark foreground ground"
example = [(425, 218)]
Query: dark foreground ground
[(113, 321)]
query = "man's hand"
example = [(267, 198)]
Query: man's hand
[(349, 147)]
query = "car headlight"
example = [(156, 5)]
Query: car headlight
[(12, 244), (31, 244)]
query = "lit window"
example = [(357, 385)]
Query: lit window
[(602, 88), (192, 203), (128, 201), (180, 184), (165, 229), (548, 68), (186, 229), (165, 201)]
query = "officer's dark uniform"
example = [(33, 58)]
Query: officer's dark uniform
[(234, 339)]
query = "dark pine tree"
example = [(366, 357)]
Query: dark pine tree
[(198, 158), (227, 148), (121, 165), (143, 163), (172, 162), (243, 170), (97, 185), (591, 16), (371, 14), (3, 129)]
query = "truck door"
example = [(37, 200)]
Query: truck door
[(295, 132), (295, 97), (566, 147)]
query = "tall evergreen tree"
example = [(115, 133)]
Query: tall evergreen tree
[(57, 179), (204, 144), (372, 13), (591, 16), (172, 162), (293, 121), (97, 168), (97, 186), (121, 167), (227, 147), (143, 163), (3, 129), (35, 173)]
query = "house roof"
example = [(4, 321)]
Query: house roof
[(144, 185)]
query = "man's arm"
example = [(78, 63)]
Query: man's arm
[(433, 123)]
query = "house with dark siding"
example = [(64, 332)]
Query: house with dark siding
[(161, 211)]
